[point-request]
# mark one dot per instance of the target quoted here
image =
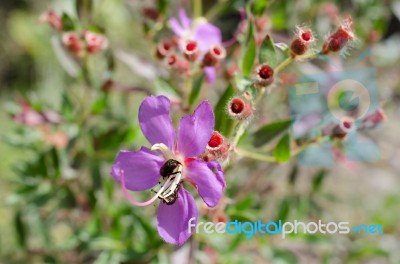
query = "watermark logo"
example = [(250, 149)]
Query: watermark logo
[(281, 228), (319, 100)]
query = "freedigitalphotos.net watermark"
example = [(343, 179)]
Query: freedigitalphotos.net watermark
[(280, 227)]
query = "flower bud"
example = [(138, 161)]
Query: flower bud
[(52, 19), (264, 75), (164, 49), (95, 42), (217, 147), (340, 38), (374, 119), (72, 42), (301, 44), (150, 13), (191, 50), (174, 62), (240, 109), (213, 56), (345, 126)]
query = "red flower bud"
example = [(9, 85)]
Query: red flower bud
[(164, 49), (150, 13), (240, 109), (72, 42), (264, 75), (191, 50), (217, 147), (95, 42), (340, 38), (52, 19), (174, 62), (213, 56), (302, 42), (374, 119), (345, 126)]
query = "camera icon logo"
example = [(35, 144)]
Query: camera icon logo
[(319, 101)]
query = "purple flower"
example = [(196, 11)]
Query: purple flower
[(141, 170), (205, 34)]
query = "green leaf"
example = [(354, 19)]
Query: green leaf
[(249, 57), (267, 52), (282, 150), (196, 88), (222, 122), (318, 180), (270, 131), (68, 23)]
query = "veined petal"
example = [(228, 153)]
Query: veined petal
[(195, 130), (155, 122), (172, 220), (207, 35), (209, 180), (141, 169)]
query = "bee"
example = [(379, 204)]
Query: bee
[(172, 171)]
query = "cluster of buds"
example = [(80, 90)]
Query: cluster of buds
[(240, 108), (302, 42), (263, 75), (345, 126), (340, 38), (52, 19), (88, 41), (218, 148), (167, 51)]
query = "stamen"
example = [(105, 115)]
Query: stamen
[(132, 200), (165, 151)]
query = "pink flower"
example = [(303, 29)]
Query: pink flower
[(172, 160)]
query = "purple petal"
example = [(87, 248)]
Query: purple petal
[(176, 27), (207, 35), (155, 122), (209, 179), (173, 220), (185, 20), (141, 168), (211, 74), (195, 130)]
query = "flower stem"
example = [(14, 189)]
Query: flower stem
[(283, 65), (197, 8), (254, 155)]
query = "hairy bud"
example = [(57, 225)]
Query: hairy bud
[(214, 56), (340, 38)]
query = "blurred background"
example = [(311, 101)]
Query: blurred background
[(58, 203)]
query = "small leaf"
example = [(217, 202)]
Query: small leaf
[(222, 122), (267, 52), (270, 131), (68, 23), (282, 150), (196, 87), (249, 57), (284, 209)]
